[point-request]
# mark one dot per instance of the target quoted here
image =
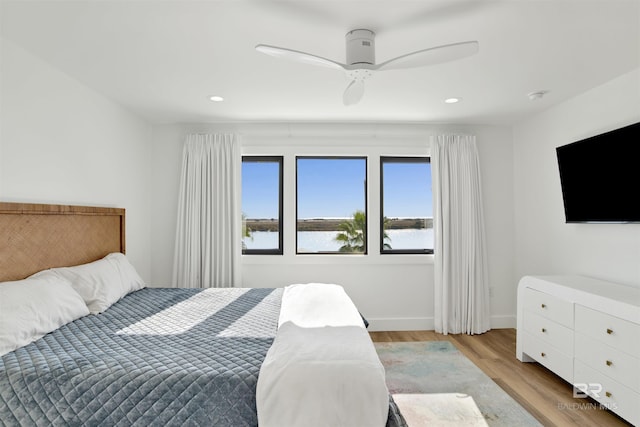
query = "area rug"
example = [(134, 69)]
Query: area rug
[(434, 384)]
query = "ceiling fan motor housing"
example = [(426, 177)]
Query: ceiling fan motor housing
[(361, 48)]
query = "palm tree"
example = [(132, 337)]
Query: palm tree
[(353, 233), (385, 236), (246, 231)]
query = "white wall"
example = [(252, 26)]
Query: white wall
[(61, 142), (394, 292), (544, 243)]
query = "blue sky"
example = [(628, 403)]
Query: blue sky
[(330, 188), (407, 190), (335, 188), (260, 189)]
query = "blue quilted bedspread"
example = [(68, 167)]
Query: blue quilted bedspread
[(156, 357)]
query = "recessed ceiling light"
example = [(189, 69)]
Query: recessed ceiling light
[(216, 98), (452, 100)]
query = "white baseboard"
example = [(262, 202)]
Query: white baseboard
[(427, 324), (401, 324), (503, 321)]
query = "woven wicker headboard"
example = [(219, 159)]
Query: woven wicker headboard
[(35, 237)]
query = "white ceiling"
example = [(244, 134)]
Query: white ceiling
[(163, 59)]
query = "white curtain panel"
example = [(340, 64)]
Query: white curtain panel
[(209, 227), (460, 263)]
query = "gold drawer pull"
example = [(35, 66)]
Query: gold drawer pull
[(609, 331), (544, 330), (542, 354), (608, 394), (609, 363)]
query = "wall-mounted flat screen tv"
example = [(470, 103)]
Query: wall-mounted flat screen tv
[(600, 177)]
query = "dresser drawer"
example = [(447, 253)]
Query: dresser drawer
[(548, 356), (547, 330), (612, 362), (613, 395), (556, 309), (613, 331)]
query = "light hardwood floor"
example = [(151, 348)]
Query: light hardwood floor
[(545, 395)]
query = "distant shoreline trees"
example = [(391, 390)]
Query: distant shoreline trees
[(332, 224)]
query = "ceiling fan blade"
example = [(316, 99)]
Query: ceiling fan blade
[(353, 93), (295, 55), (431, 56)]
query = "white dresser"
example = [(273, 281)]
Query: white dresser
[(586, 331)]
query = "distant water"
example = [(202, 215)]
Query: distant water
[(324, 241)]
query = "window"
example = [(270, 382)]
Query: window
[(331, 210), (406, 220), (261, 205)]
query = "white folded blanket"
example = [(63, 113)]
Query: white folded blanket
[(322, 369)]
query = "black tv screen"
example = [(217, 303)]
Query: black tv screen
[(600, 177)]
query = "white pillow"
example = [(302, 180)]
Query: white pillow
[(131, 280), (102, 282), (33, 307)]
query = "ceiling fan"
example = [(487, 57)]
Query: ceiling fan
[(361, 59)]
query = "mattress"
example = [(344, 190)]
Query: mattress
[(156, 357)]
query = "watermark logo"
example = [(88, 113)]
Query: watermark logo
[(587, 406), (584, 390)]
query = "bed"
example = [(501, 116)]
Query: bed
[(157, 356)]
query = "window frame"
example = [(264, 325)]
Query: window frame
[(280, 161), (366, 202), (398, 159)]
